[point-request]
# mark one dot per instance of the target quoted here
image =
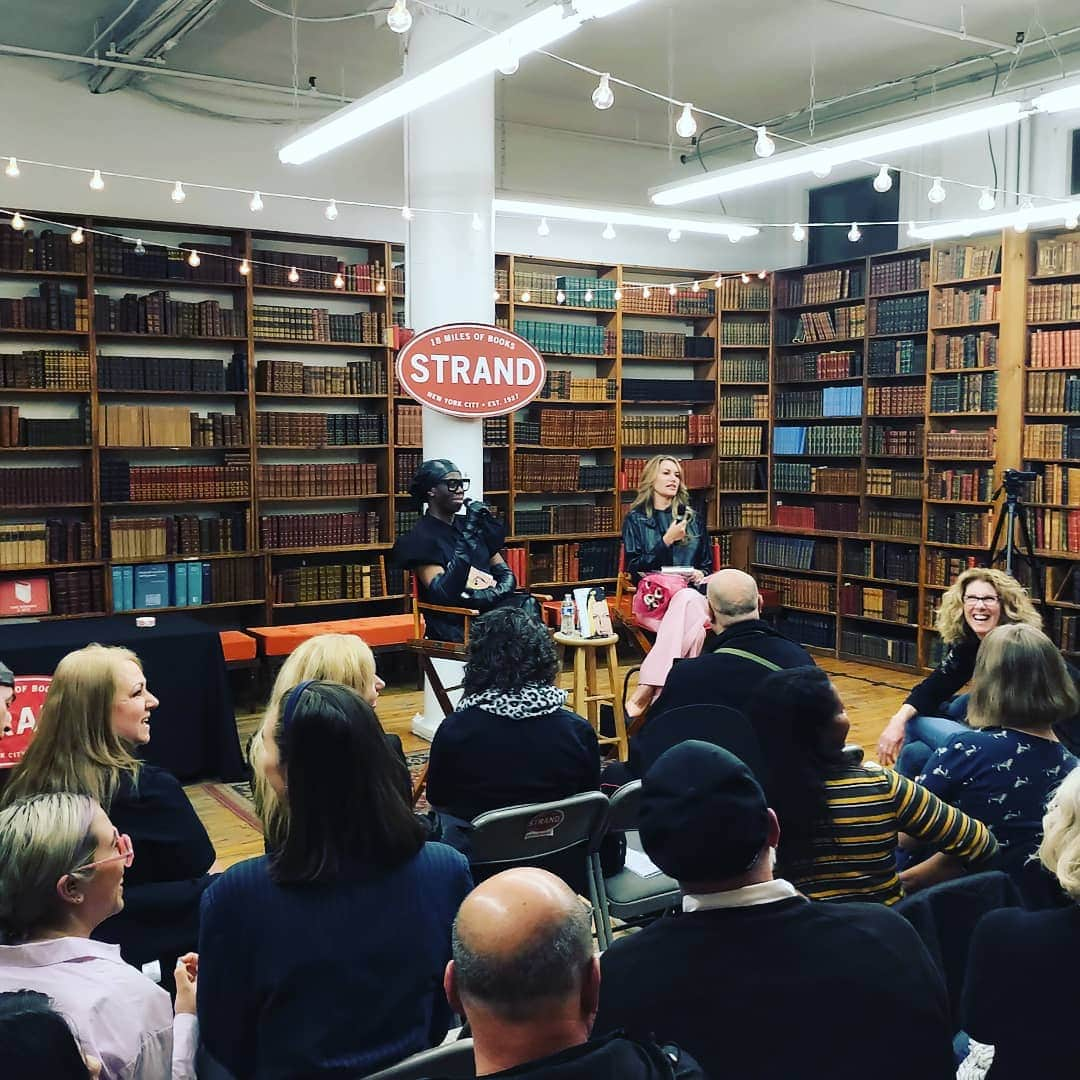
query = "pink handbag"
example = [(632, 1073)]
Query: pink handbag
[(653, 595)]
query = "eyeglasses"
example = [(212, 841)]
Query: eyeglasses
[(457, 485), (124, 850), (989, 601)]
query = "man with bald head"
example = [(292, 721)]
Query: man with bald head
[(745, 650), (525, 974)]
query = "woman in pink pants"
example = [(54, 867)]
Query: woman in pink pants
[(661, 529)]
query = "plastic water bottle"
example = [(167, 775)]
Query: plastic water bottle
[(566, 615)]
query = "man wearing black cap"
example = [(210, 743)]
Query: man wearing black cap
[(753, 979), (7, 695)]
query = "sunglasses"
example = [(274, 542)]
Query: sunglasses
[(124, 850), (457, 485)]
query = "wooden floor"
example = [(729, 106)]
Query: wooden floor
[(870, 693)]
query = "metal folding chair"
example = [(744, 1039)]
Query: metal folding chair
[(453, 1061)]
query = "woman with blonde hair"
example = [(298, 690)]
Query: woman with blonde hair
[(95, 717), (1019, 996), (662, 529), (977, 601), (338, 658), (62, 866)]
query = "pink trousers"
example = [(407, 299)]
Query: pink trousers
[(680, 634)]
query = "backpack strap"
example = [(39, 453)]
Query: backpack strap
[(749, 656)]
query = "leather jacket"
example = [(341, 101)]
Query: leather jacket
[(645, 550)]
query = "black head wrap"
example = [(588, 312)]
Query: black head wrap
[(427, 476)]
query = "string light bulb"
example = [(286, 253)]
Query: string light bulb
[(193, 259), (696, 287), (617, 294), (853, 233), (672, 290), (560, 297), (178, 193), (936, 194), (543, 229), (526, 297), (245, 268), (399, 18), (17, 222), (734, 237), (609, 232), (883, 180), (495, 296), (294, 275), (674, 235), (339, 282), (762, 275), (764, 145), (477, 222), (744, 278), (380, 286), (97, 182), (256, 203), (646, 292), (987, 201), (78, 236), (798, 233), (140, 247), (1072, 221), (331, 211), (406, 213), (509, 63), (1026, 204), (588, 296), (686, 125), (822, 170), (603, 97), (12, 168)]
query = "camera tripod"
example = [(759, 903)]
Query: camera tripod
[(1012, 518)]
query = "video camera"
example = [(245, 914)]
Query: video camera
[(1013, 479)]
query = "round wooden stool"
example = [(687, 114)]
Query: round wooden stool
[(585, 696)]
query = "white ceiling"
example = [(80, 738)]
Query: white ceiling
[(746, 58)]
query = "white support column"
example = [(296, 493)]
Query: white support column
[(450, 164)]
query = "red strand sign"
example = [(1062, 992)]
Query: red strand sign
[(469, 369)]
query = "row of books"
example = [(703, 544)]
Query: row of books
[(171, 425), (32, 543), (17, 430), (668, 346), (171, 373), (587, 560), (121, 482), (404, 520), (185, 584), (669, 429), (496, 474), (740, 440), (567, 386), (175, 534), (496, 431), (271, 321), (817, 631), (972, 527), (902, 315), (696, 472), (813, 479), (966, 484), (843, 440), (593, 477), (818, 366), (114, 255), (879, 647), (964, 393), (572, 518), (46, 369), (743, 405), (1053, 391), (744, 369), (943, 568), (744, 332), (54, 308), (902, 400), (891, 522), (826, 514), (953, 306), (743, 513), (1065, 630), (886, 441), (954, 351), (77, 592), (348, 581), (1052, 441), (1054, 348), (900, 483), (1056, 302), (408, 425), (1057, 255), (899, 275), (681, 302), (272, 267), (801, 592), (961, 444), (157, 314), (877, 602), (1057, 484), (553, 337), (830, 401), (906, 356), (879, 559), (819, 287), (25, 249), (668, 390), (576, 427), (1054, 530), (839, 324), (339, 478), (739, 295), (320, 429), (794, 553), (296, 377), (546, 472), (319, 530), (45, 485), (967, 261)]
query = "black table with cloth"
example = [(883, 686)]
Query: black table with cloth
[(193, 730)]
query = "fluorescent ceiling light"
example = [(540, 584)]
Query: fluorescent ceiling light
[(1038, 215), (1068, 97), (401, 96), (634, 219), (866, 146)]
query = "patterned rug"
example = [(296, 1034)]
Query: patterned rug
[(237, 799)]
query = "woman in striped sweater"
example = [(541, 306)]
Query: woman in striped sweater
[(840, 820)]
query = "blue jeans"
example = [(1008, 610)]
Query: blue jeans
[(925, 734)]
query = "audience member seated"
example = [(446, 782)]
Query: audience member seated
[(977, 601), (511, 739), (1019, 996), (456, 559), (1004, 767), (840, 819), (95, 717), (752, 979), (7, 695), (324, 958), (336, 658), (62, 865), (36, 1042), (525, 975), (661, 529)]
